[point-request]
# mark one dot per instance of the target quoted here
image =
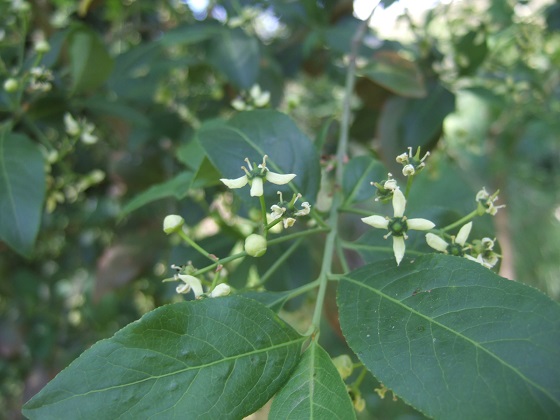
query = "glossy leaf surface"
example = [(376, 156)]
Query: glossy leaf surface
[(213, 358), (453, 339)]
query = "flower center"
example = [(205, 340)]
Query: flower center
[(456, 250), (398, 226)]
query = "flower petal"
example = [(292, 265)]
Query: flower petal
[(236, 183), (399, 203), (257, 187), (221, 289), (306, 208), (398, 248), (279, 179), (463, 234), (420, 224), (378, 222), (436, 242), (193, 282)]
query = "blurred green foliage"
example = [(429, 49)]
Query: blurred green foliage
[(477, 81)]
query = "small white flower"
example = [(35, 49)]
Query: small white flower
[(288, 211), (486, 202), (390, 184), (408, 170), (288, 222), (260, 98), (305, 210), (87, 136), (71, 125), (402, 158), (256, 176), (189, 283), (221, 289), (456, 247), (398, 225), (277, 211), (239, 104), (41, 79)]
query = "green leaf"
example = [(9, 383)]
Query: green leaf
[(315, 390), (396, 74), (453, 339), (90, 62), (272, 300), (256, 133), (237, 56), (217, 358), (358, 174), (191, 34), (176, 187), (22, 191)]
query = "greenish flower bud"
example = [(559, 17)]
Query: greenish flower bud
[(42, 47), (344, 365), (255, 245), (172, 223), (11, 85)]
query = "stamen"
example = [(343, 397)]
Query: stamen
[(248, 164), (246, 171)]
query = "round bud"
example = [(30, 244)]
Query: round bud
[(11, 85), (255, 245), (172, 223), (221, 289), (42, 47)]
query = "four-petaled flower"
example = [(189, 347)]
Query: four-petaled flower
[(398, 225), (256, 176), (457, 245)]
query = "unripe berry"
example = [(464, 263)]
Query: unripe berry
[(11, 85), (255, 245)]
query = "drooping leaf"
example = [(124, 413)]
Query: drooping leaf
[(358, 174), (236, 55), (396, 74), (453, 339), (22, 191), (176, 187), (90, 62), (315, 390), (213, 358), (256, 133)]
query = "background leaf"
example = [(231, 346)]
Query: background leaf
[(214, 358), (90, 62), (236, 55), (315, 390), (256, 133), (358, 174), (177, 187), (453, 339), (22, 191)]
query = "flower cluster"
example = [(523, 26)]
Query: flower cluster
[(288, 211), (41, 79), (398, 225), (385, 188), (255, 98), (482, 250), (255, 176), (190, 282), (412, 164), (82, 129), (486, 202)]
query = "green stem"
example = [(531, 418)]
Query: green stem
[(272, 224), (266, 276), (296, 235), (360, 212), (409, 185), (192, 243), (341, 256), (340, 158), (263, 215), (461, 221), (220, 262), (359, 379)]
